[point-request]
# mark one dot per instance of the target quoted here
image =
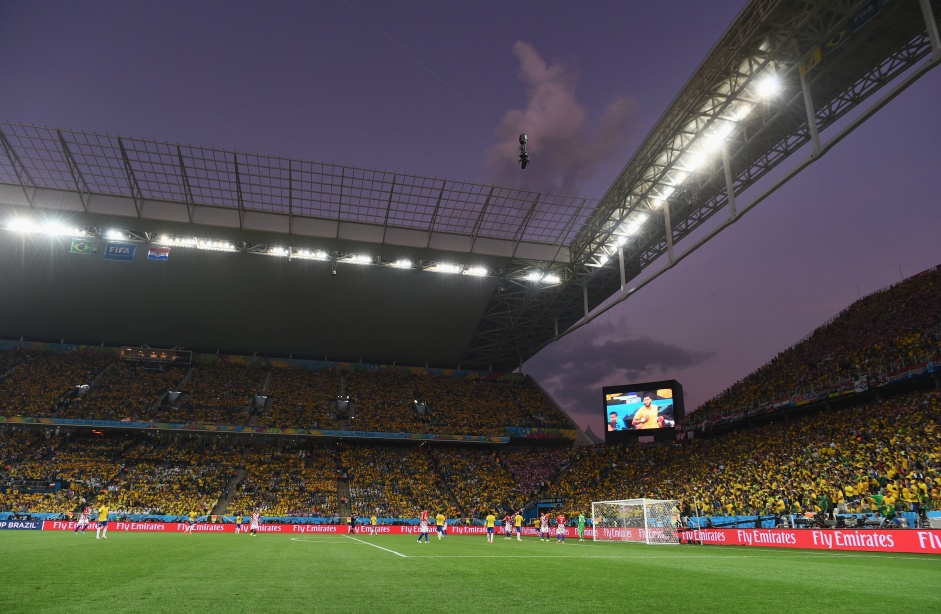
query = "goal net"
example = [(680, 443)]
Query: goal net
[(653, 521)]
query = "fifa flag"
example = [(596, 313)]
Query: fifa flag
[(123, 252), (158, 253), (82, 247)]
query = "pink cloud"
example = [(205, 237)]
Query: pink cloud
[(564, 146)]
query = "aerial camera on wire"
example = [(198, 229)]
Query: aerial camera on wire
[(524, 157)]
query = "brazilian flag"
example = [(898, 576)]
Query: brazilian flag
[(82, 247)]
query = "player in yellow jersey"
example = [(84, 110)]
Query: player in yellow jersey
[(491, 521), (192, 522), (442, 523), (518, 524), (372, 523), (102, 530)]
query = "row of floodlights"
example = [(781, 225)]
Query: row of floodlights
[(705, 147), (25, 225)]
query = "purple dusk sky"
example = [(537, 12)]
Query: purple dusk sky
[(444, 88)]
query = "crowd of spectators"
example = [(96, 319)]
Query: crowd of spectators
[(175, 476), (836, 459), (533, 469), (124, 391), (287, 481), (97, 385), (39, 380), (884, 455), (80, 467), (477, 480), (217, 393), (885, 331), (394, 481), (301, 398)]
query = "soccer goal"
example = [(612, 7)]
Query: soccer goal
[(653, 521)]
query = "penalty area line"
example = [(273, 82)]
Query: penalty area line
[(375, 546)]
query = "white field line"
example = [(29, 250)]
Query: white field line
[(375, 546)]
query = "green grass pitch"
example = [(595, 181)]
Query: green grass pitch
[(149, 572)]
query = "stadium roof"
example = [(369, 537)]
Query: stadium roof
[(287, 257)]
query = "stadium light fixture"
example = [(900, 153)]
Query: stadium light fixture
[(717, 137), (476, 271), (551, 278), (60, 229), (445, 267), (19, 224), (693, 161), (742, 111), (402, 263), (768, 86), (360, 259), (115, 234), (279, 251), (534, 276)]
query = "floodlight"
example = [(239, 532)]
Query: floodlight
[(114, 234), (534, 276), (446, 268), (694, 160), (476, 271), (402, 263), (768, 86), (20, 224), (56, 228), (742, 111), (717, 137), (552, 278)]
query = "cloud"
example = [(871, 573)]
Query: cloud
[(564, 149), (575, 369)]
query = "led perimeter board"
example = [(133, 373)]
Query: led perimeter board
[(645, 408)]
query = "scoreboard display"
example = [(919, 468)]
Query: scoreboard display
[(645, 408)]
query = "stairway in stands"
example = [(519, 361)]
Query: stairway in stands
[(223, 503)]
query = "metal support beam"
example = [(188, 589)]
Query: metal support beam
[(81, 186), (621, 263), (585, 297), (434, 216), (729, 186), (524, 223), (184, 179), (480, 219), (668, 228), (290, 197), (22, 175), (238, 191), (385, 222), (132, 184), (932, 27), (809, 110)]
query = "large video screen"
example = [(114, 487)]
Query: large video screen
[(645, 408)]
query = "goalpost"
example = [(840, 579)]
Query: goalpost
[(653, 521)]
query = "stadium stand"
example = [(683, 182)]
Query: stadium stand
[(877, 451)]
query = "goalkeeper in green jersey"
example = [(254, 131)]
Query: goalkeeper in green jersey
[(581, 526)]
